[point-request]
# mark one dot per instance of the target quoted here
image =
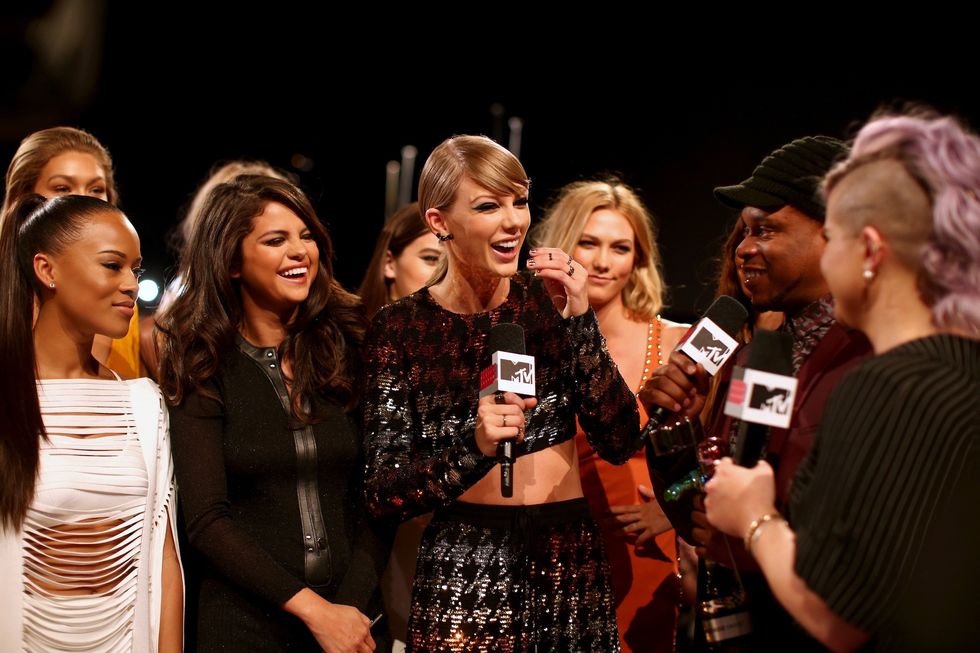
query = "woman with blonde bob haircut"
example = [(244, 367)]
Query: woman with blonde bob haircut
[(498, 570), (609, 230)]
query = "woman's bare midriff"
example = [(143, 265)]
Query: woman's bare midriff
[(541, 477), (66, 559)]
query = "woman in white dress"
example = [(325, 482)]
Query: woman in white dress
[(87, 555)]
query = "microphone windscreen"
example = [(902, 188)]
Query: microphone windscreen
[(506, 336), (728, 313), (771, 351)]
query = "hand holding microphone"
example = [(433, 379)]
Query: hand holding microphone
[(761, 395), (680, 386), (509, 375)]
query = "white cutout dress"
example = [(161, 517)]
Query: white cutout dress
[(84, 571)]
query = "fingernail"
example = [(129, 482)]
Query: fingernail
[(533, 252), (530, 264)]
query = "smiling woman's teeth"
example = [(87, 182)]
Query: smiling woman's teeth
[(505, 246), (295, 272)]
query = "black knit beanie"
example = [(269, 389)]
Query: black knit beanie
[(790, 175)]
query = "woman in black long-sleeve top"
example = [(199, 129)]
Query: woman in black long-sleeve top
[(261, 361), (497, 571)]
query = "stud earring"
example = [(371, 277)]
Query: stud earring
[(51, 285), (443, 238), (868, 274)]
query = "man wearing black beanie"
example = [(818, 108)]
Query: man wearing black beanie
[(779, 261)]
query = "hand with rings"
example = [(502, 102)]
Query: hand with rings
[(500, 417), (564, 278)]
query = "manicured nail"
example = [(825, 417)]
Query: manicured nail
[(530, 264)]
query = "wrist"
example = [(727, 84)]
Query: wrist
[(758, 526), (304, 604)]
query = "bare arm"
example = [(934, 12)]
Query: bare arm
[(735, 497), (172, 603)]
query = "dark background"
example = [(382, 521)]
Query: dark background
[(673, 109)]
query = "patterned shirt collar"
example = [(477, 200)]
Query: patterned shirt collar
[(808, 327)]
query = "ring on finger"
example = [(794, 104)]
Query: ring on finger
[(571, 270), (503, 421)]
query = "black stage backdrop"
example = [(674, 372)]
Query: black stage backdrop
[(673, 110)]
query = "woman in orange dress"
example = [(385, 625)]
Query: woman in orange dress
[(611, 232)]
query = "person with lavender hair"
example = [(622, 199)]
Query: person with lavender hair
[(883, 492)]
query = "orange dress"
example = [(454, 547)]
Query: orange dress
[(644, 578)]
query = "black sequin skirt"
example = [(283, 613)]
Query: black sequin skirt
[(521, 579)]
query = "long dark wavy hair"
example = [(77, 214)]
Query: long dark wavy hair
[(34, 225), (323, 342)]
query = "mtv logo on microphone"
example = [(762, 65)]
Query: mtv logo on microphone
[(761, 397), (508, 372), (709, 345)]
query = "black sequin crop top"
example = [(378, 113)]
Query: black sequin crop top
[(423, 369)]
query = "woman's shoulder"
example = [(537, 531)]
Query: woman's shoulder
[(934, 355), (144, 387), (411, 319), (670, 324), (918, 375), (672, 332), (407, 306)]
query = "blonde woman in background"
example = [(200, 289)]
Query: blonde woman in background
[(69, 161), (611, 233)]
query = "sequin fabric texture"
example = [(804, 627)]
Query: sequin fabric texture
[(510, 579), (424, 364)]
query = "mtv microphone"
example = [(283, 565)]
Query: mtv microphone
[(711, 341), (510, 370), (761, 394)]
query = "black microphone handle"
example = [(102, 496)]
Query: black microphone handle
[(751, 440), (506, 453)]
